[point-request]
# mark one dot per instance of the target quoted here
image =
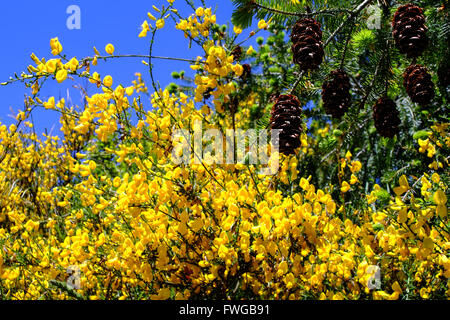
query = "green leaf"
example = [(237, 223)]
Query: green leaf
[(243, 14), (422, 134)]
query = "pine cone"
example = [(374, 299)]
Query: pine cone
[(409, 30), (307, 46), (286, 116), (247, 72), (385, 115), (237, 53), (336, 94), (418, 84)]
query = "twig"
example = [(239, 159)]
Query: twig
[(369, 90), (300, 15), (346, 46), (140, 56), (297, 82), (353, 14)]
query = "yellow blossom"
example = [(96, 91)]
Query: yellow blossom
[(61, 75), (109, 49), (262, 24), (345, 186), (56, 46), (160, 23), (237, 30), (145, 29)]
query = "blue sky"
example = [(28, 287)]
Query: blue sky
[(28, 26)]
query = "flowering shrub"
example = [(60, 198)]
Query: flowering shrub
[(105, 197)]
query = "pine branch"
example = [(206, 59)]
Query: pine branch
[(353, 15), (369, 89), (297, 82), (341, 65), (301, 15)]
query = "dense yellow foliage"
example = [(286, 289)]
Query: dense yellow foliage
[(139, 227)]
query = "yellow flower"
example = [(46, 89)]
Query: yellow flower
[(355, 166), (262, 24), (345, 186), (108, 81), (238, 70), (73, 64), (404, 186), (237, 30), (439, 197), (348, 156), (160, 23), (304, 184), (250, 50), (423, 145), (150, 16), (427, 146), (50, 104), (61, 75), (353, 179), (402, 215), (435, 177), (51, 65), (182, 25), (145, 28), (109, 49), (200, 11), (56, 46)]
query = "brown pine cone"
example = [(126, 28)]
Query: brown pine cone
[(237, 53), (409, 30), (247, 72), (286, 116), (307, 46), (385, 116), (418, 84), (336, 95)]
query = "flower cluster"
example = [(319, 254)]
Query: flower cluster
[(106, 199)]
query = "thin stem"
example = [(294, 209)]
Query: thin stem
[(353, 14), (387, 69), (297, 82), (300, 15), (369, 89), (346, 46), (140, 56), (105, 58)]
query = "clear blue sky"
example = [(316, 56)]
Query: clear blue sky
[(28, 26)]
